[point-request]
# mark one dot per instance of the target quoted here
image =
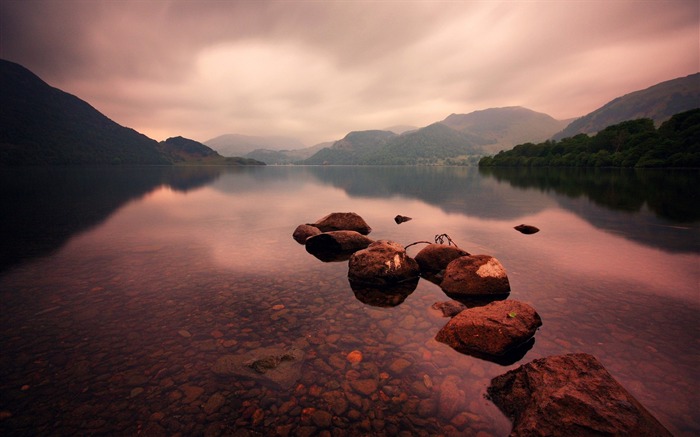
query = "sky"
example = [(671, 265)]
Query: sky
[(316, 70)]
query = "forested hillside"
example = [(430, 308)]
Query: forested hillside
[(635, 143)]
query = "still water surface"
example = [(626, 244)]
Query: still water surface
[(121, 287)]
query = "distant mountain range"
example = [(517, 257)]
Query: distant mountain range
[(40, 124), (658, 102), (240, 145)]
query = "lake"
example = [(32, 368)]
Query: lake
[(121, 289)]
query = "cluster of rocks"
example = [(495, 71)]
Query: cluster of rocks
[(571, 394)]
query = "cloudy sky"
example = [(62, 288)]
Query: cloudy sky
[(316, 70)]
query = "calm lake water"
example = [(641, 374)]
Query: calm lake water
[(120, 288)]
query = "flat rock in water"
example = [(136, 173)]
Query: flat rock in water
[(491, 330), (279, 366), (343, 221), (475, 275), (571, 395), (526, 229)]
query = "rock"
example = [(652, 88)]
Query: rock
[(401, 219), (343, 221), (526, 229), (572, 395), (322, 419), (475, 275), (192, 392), (278, 366), (354, 357), (451, 397), (214, 403), (492, 330), (435, 257), (382, 262), (336, 245), (450, 308), (399, 365), (364, 386), (303, 232)]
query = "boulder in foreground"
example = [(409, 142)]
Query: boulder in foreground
[(475, 275), (492, 330), (570, 395), (382, 262), (343, 221)]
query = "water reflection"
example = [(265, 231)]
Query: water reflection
[(41, 208)]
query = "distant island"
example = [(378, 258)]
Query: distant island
[(634, 143)]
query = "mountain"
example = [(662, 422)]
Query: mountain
[(185, 151), (279, 157), (40, 124), (506, 127), (400, 129), (434, 144), (239, 145), (658, 102)]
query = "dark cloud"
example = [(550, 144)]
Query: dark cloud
[(319, 69)]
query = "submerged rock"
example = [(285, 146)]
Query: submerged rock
[(572, 395), (304, 232), (387, 295), (278, 366), (336, 245), (382, 262), (526, 229), (493, 330), (342, 221), (475, 275)]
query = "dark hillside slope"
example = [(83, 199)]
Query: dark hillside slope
[(658, 102), (40, 124)]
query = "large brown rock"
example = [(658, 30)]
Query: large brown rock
[(571, 395), (475, 275), (343, 221), (336, 245), (382, 262), (435, 257), (492, 330)]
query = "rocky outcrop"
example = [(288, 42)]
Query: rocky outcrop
[(475, 275), (382, 262), (336, 245), (570, 395), (526, 229), (498, 329), (435, 257), (303, 232), (342, 221)]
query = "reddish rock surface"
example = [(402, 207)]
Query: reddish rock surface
[(493, 329), (435, 257), (343, 221), (475, 275), (303, 232), (382, 262), (570, 395)]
